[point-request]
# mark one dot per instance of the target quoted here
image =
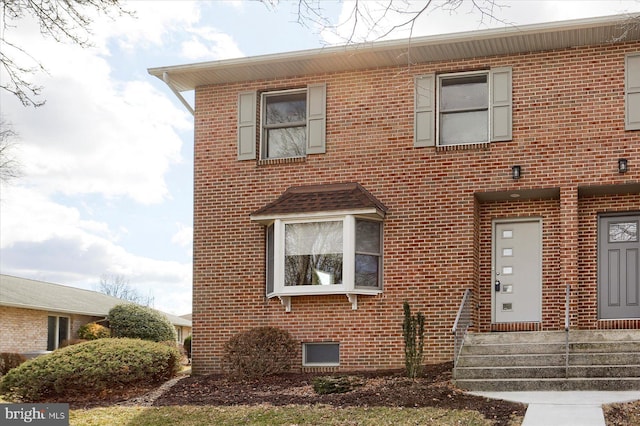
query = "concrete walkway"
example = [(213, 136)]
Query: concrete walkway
[(576, 408)]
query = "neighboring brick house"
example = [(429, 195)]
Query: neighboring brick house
[(37, 316), (331, 185)]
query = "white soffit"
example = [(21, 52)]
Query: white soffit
[(504, 41)]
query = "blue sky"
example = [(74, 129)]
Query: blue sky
[(107, 161)]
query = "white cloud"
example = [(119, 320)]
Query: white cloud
[(45, 240), (184, 236), (96, 134), (442, 18), (209, 44)]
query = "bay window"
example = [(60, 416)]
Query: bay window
[(323, 239)]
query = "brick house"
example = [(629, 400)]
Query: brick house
[(331, 185), (38, 316)]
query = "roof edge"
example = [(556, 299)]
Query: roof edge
[(416, 42)]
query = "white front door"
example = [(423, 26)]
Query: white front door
[(517, 271)]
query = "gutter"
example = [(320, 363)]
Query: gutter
[(167, 80)]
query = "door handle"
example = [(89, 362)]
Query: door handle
[(497, 285)]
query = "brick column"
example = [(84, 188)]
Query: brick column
[(569, 249)]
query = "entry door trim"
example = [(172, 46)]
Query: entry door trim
[(494, 224)]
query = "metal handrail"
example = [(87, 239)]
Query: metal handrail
[(461, 324), (567, 326)]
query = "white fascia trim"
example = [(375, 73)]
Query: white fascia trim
[(267, 219)]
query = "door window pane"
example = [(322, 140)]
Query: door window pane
[(51, 333), (622, 232), (63, 329)]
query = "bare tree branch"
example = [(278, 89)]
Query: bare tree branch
[(376, 20), (9, 165), (62, 20), (118, 286)]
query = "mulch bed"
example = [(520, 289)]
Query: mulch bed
[(388, 389)]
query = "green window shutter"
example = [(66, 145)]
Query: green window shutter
[(424, 111), (632, 92), (316, 118), (500, 103), (247, 125)]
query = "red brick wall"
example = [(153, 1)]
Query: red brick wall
[(568, 132)]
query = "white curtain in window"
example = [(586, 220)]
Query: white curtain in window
[(313, 238)]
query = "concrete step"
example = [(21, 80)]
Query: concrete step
[(519, 360), (548, 372), (532, 360), (513, 349), (522, 361), (572, 384), (515, 337), (553, 336)]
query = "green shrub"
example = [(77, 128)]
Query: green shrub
[(140, 322), (9, 360), (187, 346), (93, 331), (92, 367), (259, 352)]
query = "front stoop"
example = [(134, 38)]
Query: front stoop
[(604, 360)]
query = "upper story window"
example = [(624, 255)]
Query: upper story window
[(462, 108), (285, 124), (323, 239)]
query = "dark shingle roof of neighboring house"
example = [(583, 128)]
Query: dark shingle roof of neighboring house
[(31, 294), (322, 198)]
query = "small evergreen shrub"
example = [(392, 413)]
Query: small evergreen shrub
[(9, 360), (91, 367), (93, 331), (140, 322), (187, 346), (259, 352), (413, 333), (341, 384)]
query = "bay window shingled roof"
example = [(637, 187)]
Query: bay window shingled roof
[(322, 198)]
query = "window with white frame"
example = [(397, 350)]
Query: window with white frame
[(284, 124), (466, 108), (324, 255), (463, 109), (323, 239), (288, 123)]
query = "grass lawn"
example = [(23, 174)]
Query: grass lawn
[(269, 415)]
